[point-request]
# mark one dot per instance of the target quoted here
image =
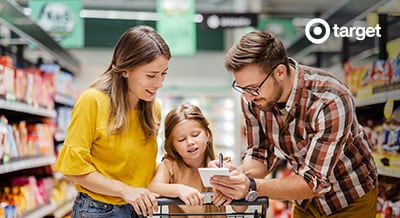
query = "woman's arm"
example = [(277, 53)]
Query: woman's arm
[(143, 201)]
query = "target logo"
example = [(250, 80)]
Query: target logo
[(317, 30)]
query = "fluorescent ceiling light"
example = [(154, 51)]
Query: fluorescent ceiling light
[(127, 15)]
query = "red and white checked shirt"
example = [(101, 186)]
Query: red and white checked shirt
[(321, 139)]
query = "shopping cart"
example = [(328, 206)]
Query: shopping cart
[(261, 203)]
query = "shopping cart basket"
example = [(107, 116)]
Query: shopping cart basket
[(261, 202)]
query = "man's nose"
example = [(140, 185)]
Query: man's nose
[(249, 97)]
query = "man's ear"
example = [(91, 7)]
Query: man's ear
[(281, 70)]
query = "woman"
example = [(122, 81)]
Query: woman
[(110, 147)]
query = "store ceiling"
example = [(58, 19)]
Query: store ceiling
[(94, 61), (269, 7)]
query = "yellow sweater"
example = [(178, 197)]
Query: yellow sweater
[(88, 147)]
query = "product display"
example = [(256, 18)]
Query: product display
[(381, 119), (32, 110), (36, 99)]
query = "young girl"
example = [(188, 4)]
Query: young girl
[(188, 146)]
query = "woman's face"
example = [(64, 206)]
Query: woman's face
[(190, 141), (145, 80)]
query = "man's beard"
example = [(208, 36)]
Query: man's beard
[(273, 100)]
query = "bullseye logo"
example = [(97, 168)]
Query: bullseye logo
[(317, 30)]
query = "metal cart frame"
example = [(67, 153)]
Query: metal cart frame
[(261, 201)]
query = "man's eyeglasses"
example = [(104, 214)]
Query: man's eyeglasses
[(251, 90)]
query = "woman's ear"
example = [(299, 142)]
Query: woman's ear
[(125, 74)]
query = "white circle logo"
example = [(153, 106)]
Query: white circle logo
[(317, 31), (213, 21)]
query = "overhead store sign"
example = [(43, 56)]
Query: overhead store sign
[(229, 20), (176, 25), (60, 18)]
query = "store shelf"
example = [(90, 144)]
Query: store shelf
[(378, 98), (388, 171), (26, 163), (64, 209), (41, 211), (25, 108), (394, 160), (13, 18), (65, 100)]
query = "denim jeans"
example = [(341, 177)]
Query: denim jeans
[(86, 207)]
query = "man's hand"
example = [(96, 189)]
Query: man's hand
[(235, 186)]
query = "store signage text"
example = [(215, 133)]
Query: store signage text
[(229, 20), (318, 31)]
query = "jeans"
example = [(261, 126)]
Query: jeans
[(86, 207)]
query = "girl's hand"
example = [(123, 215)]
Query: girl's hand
[(142, 200), (219, 199), (190, 196), (215, 163)]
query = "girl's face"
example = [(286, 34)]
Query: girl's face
[(190, 141), (145, 80)]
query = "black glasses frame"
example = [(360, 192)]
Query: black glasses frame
[(251, 90)]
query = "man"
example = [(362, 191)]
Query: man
[(307, 117)]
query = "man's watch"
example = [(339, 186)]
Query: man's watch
[(252, 194)]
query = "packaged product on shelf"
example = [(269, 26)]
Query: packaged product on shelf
[(388, 197), (40, 139), (9, 83), (353, 76), (21, 85), (64, 83), (23, 138), (17, 138), (396, 68), (29, 93), (13, 145), (19, 200), (4, 140), (37, 88), (47, 99), (5, 65), (6, 61)]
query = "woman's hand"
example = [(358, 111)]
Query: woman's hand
[(143, 201), (190, 195)]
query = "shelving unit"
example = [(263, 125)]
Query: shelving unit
[(369, 96), (370, 101), (12, 17), (26, 163), (25, 108)]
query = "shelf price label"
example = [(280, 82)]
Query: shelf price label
[(365, 92)]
